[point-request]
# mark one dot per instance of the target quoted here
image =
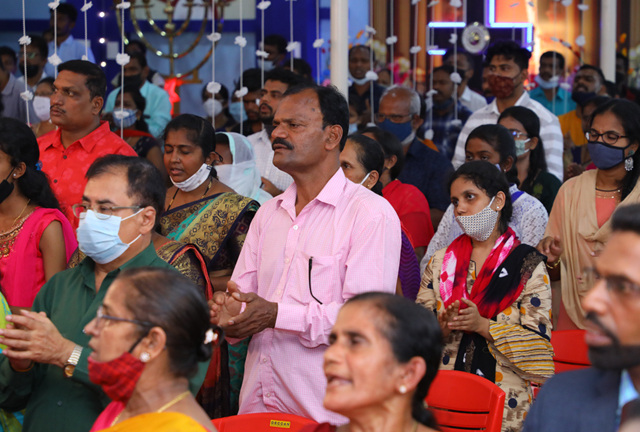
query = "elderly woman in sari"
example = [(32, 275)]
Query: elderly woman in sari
[(147, 339), (238, 166), (579, 220), (491, 293), (201, 210)]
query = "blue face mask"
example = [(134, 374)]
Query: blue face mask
[(99, 238), (400, 130), (353, 128), (124, 118), (606, 156), (236, 109)]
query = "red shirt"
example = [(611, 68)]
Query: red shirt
[(413, 210), (66, 168)]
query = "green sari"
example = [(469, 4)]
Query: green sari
[(9, 422), (217, 225)]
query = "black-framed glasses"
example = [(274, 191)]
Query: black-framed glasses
[(102, 212), (101, 319), (620, 286), (609, 137), (395, 118)]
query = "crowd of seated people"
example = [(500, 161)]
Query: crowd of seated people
[(284, 255)]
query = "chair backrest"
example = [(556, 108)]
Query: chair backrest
[(461, 401), (571, 351), (262, 422)]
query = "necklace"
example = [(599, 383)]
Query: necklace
[(609, 194), (177, 190), (169, 404), (612, 190), (16, 219), (415, 426)]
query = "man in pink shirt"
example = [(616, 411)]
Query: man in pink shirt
[(309, 250)]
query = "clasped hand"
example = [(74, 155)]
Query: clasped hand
[(33, 337), (258, 315), (468, 319)]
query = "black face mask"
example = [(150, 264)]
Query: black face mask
[(31, 71), (5, 188), (581, 98), (620, 78), (133, 80)]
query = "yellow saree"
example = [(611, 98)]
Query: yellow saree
[(158, 422)]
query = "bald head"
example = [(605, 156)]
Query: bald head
[(400, 105), (404, 96)]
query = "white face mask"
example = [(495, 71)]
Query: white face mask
[(193, 182), (268, 65), (365, 178), (521, 147), (42, 105), (360, 81), (213, 107), (480, 225), (99, 238)]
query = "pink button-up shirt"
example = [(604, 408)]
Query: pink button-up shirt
[(352, 238)]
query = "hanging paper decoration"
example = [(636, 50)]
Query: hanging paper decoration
[(54, 59), (241, 42), (122, 59), (84, 9), (263, 5), (25, 40)]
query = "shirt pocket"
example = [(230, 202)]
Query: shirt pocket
[(320, 281)]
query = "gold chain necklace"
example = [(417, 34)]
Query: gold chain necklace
[(16, 219), (169, 404)]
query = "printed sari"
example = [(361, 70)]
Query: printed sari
[(217, 225), (9, 422)]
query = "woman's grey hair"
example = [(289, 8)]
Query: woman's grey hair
[(414, 108)]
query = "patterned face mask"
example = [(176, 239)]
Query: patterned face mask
[(480, 225)]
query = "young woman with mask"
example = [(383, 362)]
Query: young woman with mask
[(579, 221), (147, 339), (201, 210), (136, 131), (238, 166), (378, 332), (491, 293), (362, 161), (36, 239), (42, 105), (531, 164), (495, 144)]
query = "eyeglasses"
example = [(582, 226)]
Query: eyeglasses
[(618, 285), (395, 118), (608, 137), (102, 212), (101, 319), (518, 135), (30, 55)]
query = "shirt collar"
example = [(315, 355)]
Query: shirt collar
[(87, 142), (627, 391), (8, 89), (68, 41), (466, 94), (330, 193), (522, 101), (145, 88)]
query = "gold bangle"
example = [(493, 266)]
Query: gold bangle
[(23, 370), (554, 264)]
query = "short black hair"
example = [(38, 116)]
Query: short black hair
[(95, 81), (199, 131), (40, 44), (370, 156), (470, 60), (47, 80), (498, 137), (550, 54), (612, 89), (444, 68), (391, 146), (138, 43), (626, 218), (69, 10), (603, 80), (277, 41), (510, 50), (625, 59), (333, 106), (491, 180), (5, 50), (166, 299), (284, 76), (140, 57), (141, 105), (251, 79), (357, 47), (300, 67), (146, 185)]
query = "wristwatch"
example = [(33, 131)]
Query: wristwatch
[(73, 361)]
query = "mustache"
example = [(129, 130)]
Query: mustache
[(283, 142), (596, 321)]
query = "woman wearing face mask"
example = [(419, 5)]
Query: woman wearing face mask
[(36, 239), (42, 105), (136, 130), (218, 107), (147, 339), (377, 332), (201, 210), (362, 161), (238, 166), (579, 221), (495, 144), (491, 293), (533, 176)]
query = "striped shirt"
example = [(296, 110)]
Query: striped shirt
[(549, 132)]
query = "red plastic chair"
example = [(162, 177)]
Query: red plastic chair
[(462, 401), (262, 422), (571, 351)]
